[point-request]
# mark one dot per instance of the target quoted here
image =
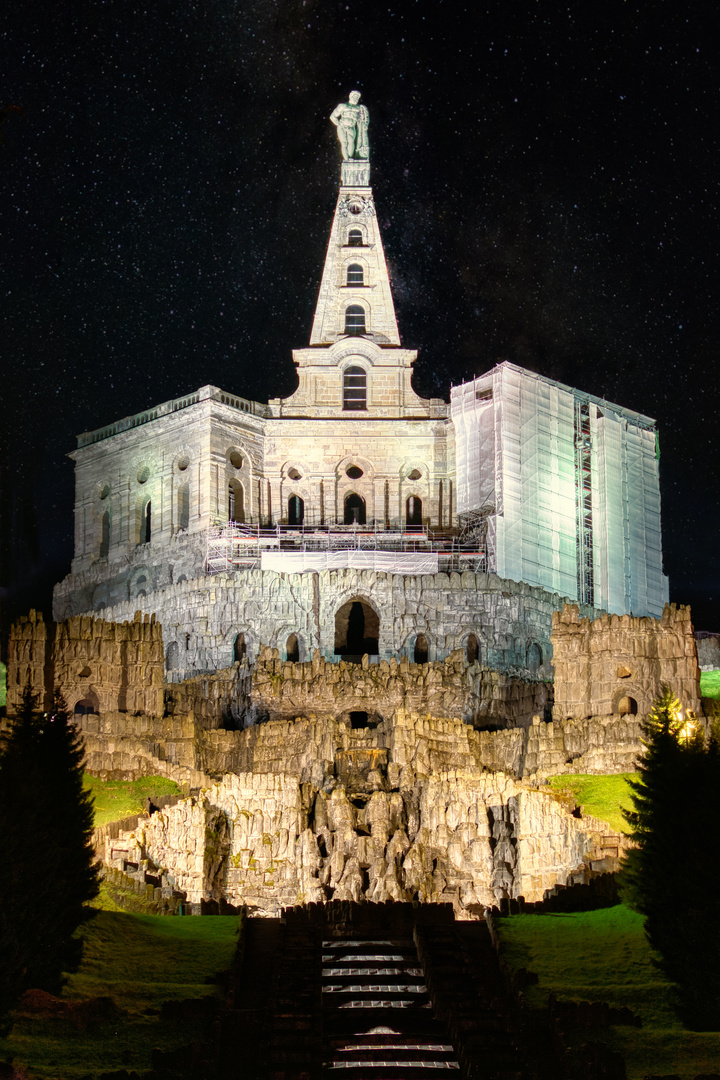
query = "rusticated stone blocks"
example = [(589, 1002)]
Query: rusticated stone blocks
[(617, 664)]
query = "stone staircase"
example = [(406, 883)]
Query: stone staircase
[(377, 1015)]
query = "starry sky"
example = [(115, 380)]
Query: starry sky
[(545, 175)]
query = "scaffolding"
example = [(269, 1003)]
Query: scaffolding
[(414, 550), (565, 486), (583, 496)]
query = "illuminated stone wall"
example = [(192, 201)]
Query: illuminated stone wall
[(203, 617), (118, 667), (618, 662)]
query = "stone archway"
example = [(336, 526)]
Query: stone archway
[(355, 513), (357, 629)]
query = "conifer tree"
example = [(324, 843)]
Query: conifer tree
[(672, 877), (47, 872)]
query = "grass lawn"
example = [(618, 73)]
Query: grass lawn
[(117, 799), (601, 796), (604, 956), (139, 961), (710, 684)]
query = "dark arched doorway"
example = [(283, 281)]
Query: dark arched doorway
[(87, 706), (354, 509), (292, 649), (239, 648), (357, 629), (413, 511), (296, 510), (472, 650), (420, 652)]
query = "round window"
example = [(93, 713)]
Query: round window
[(183, 464), (294, 474), (143, 475), (354, 472), (235, 459), (414, 475), (104, 491)]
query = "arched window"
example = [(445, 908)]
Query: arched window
[(292, 649), (354, 389), (183, 506), (239, 648), (355, 238), (355, 274), (357, 629), (354, 509), (296, 510), (236, 502), (413, 511), (172, 658), (87, 706), (472, 650), (627, 706), (105, 534), (534, 657), (355, 320), (420, 653), (145, 529)]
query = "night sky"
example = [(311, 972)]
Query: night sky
[(546, 182)]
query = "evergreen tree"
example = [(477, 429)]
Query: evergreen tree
[(672, 877), (47, 873)]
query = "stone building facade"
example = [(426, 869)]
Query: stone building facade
[(219, 514)]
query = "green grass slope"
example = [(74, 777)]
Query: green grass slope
[(603, 797), (139, 961), (604, 956), (710, 684), (117, 799)]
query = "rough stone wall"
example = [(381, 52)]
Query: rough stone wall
[(708, 647), (119, 667), (452, 688), (203, 617), (268, 840), (617, 656)]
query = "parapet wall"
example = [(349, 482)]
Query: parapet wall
[(448, 688), (618, 663), (202, 617)]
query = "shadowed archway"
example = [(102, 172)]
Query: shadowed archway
[(357, 629)]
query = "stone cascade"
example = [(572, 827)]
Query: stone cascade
[(362, 821), (618, 663)]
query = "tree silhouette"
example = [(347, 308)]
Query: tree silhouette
[(672, 877), (48, 873)]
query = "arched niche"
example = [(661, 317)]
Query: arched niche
[(472, 649), (534, 656), (89, 705), (420, 650), (172, 657), (296, 510), (239, 648), (354, 509), (413, 511), (236, 502), (357, 629), (292, 649)]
